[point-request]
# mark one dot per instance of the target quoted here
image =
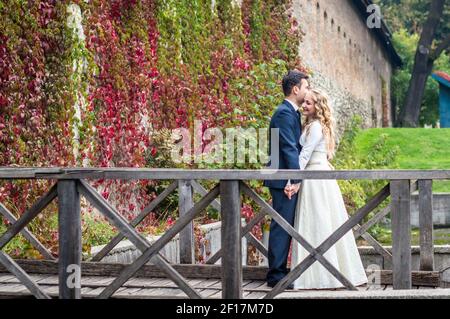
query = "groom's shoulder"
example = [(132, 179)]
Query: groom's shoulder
[(280, 109)]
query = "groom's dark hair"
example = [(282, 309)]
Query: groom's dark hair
[(291, 79)]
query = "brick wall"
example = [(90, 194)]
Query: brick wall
[(347, 59)]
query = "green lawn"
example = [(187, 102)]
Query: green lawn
[(419, 148)]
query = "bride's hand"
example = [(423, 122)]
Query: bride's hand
[(291, 190), (288, 191)]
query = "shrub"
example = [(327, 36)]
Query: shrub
[(357, 192)]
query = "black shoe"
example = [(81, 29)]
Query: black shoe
[(273, 284)]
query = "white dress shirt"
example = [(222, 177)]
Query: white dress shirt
[(294, 105)]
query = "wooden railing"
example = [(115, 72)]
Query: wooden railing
[(72, 182)]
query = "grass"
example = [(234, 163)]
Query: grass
[(419, 148), (441, 237)]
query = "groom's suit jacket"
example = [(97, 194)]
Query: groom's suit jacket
[(288, 121)]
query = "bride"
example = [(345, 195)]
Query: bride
[(320, 206)]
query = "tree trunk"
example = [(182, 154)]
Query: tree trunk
[(411, 111), (423, 65)]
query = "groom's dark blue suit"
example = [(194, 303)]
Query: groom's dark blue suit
[(288, 121)]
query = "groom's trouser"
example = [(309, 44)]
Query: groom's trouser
[(279, 239)]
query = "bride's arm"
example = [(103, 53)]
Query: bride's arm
[(312, 139)]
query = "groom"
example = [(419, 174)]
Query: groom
[(284, 193)]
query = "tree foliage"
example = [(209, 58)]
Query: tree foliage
[(406, 45), (422, 37)]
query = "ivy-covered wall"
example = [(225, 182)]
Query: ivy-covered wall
[(88, 83)]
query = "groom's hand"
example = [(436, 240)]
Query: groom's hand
[(291, 190)]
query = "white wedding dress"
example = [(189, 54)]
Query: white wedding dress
[(320, 211)]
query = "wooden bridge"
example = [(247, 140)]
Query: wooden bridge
[(69, 277)]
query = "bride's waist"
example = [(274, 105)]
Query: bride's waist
[(318, 158)]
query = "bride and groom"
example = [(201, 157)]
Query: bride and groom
[(315, 208)]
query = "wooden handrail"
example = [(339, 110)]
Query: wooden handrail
[(218, 174), (72, 182)]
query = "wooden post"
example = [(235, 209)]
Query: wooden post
[(401, 233), (426, 224), (185, 203), (69, 240), (231, 240)]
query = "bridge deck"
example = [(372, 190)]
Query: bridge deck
[(150, 288)]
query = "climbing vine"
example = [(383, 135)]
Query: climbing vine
[(132, 68)]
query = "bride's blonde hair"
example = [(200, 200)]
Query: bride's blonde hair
[(324, 114)]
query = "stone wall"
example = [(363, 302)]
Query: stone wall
[(441, 210), (370, 258), (343, 103), (347, 60), (125, 252)]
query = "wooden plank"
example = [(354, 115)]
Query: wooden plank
[(185, 203), (217, 285), (314, 254), (257, 244), (199, 189), (69, 226), (25, 172), (195, 282), (52, 291), (7, 278), (426, 225), (255, 295), (13, 289), (150, 275), (147, 254), (375, 287), (136, 221), (330, 241), (360, 230), (85, 291), (222, 174), (206, 283), (143, 282), (27, 234), (252, 223), (378, 247), (244, 232), (231, 243), (217, 295), (53, 280), (207, 293), (419, 278), (95, 281), (93, 293), (165, 283), (141, 243), (254, 285), (126, 292), (401, 233), (162, 293), (13, 279), (24, 278), (28, 216)]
